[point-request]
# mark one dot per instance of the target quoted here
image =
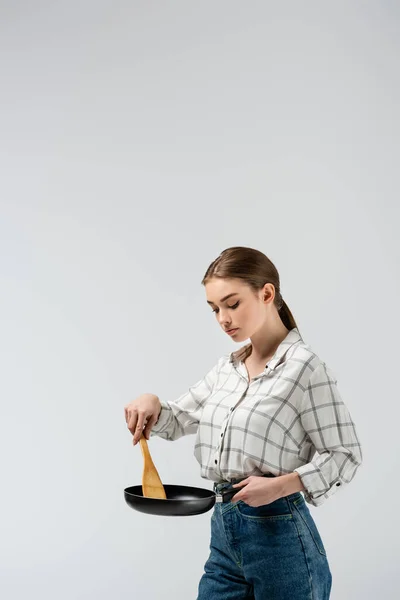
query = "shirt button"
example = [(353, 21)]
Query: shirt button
[(222, 434), (338, 484), (216, 461)]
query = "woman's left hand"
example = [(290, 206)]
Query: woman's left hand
[(257, 490)]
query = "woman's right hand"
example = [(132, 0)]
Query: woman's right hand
[(143, 411)]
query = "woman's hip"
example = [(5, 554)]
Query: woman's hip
[(279, 542)]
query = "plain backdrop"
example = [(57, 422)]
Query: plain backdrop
[(138, 140)]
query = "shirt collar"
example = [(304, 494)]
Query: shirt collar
[(292, 338)]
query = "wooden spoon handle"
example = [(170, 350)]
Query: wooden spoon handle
[(152, 486)]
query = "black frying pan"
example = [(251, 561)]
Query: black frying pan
[(181, 500)]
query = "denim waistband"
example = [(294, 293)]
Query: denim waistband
[(221, 485)]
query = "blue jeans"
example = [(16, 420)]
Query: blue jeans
[(268, 552)]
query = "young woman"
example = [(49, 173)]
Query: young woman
[(270, 422)]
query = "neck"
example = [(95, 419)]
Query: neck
[(265, 342)]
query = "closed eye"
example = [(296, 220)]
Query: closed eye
[(233, 307)]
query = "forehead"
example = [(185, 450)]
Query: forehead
[(217, 289)]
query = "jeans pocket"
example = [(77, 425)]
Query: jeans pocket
[(278, 510), (309, 524)]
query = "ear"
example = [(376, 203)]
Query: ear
[(267, 292)]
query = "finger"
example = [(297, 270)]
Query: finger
[(236, 497), (139, 428), (148, 428), (133, 414), (243, 482), (132, 420)]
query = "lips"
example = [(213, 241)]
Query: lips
[(229, 330)]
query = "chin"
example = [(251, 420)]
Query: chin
[(238, 337)]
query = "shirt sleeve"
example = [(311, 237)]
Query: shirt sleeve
[(330, 428), (181, 417)]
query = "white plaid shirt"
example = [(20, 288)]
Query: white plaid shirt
[(290, 418)]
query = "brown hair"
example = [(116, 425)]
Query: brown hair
[(255, 269)]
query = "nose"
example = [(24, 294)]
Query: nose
[(223, 321)]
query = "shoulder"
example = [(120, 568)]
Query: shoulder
[(314, 365), (303, 353), (224, 360), (224, 363), (220, 363)]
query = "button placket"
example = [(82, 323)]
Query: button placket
[(217, 452)]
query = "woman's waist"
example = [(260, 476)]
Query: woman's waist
[(220, 485)]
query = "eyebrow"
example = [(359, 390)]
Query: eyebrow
[(224, 298)]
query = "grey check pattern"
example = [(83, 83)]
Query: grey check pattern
[(290, 417)]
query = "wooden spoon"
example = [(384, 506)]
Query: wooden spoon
[(151, 482)]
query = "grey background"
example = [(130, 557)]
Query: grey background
[(138, 140)]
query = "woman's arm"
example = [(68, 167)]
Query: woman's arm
[(328, 424), (181, 417)]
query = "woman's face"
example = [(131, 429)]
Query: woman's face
[(244, 310)]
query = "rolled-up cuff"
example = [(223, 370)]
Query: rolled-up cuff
[(163, 418)]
